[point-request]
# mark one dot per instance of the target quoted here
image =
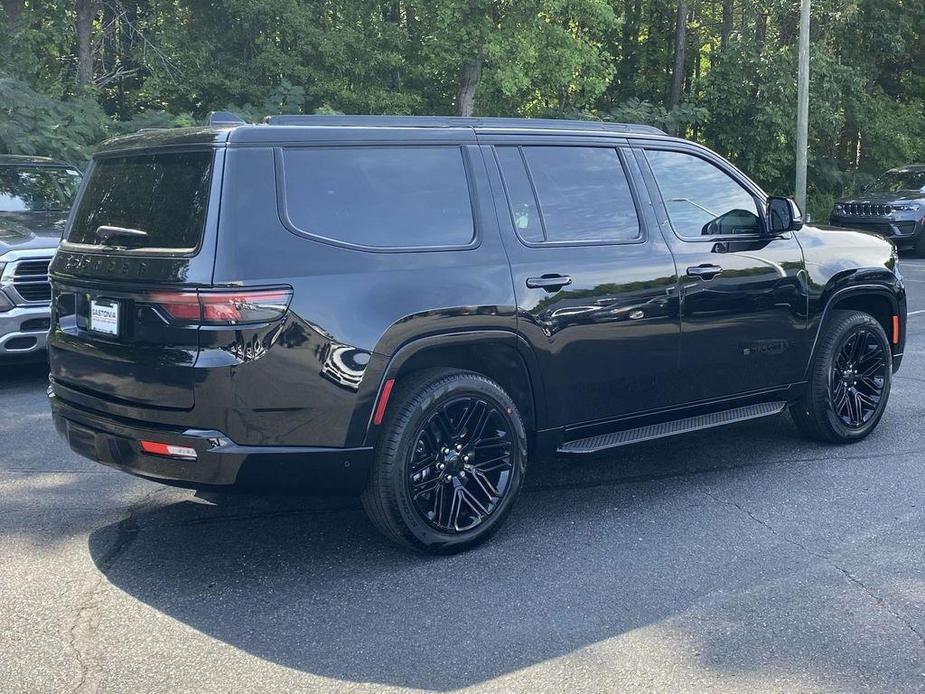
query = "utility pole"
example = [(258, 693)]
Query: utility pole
[(802, 106)]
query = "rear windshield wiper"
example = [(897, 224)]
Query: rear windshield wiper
[(104, 233)]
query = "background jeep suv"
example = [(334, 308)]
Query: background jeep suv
[(413, 307), (35, 196), (892, 206)]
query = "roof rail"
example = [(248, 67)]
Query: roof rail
[(460, 122), (225, 119)]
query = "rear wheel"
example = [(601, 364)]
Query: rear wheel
[(449, 464), (849, 381)]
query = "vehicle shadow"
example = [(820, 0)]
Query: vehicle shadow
[(591, 551), (23, 372)]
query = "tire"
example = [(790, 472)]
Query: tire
[(836, 406), (426, 421), (919, 248)]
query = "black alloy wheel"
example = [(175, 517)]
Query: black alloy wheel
[(858, 378), (450, 461), (849, 380), (460, 467)]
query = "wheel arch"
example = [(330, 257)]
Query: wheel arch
[(500, 355), (879, 301)]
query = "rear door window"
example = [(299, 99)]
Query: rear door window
[(151, 202), (525, 212), (583, 194), (379, 197)]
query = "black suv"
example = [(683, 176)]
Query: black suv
[(892, 206), (412, 307)]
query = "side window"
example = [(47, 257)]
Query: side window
[(524, 212), (702, 199), (380, 197), (583, 194)]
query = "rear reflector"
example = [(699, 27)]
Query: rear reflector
[(383, 401), (895, 330), (224, 307), (168, 450)]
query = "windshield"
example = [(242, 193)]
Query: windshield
[(37, 189), (898, 180)]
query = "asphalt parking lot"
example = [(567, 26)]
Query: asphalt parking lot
[(739, 559)]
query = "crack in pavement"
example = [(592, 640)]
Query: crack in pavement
[(80, 633), (851, 578)]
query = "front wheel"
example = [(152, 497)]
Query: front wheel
[(849, 381), (920, 245), (449, 464)]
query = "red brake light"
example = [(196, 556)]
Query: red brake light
[(224, 307), (181, 306), (244, 307)]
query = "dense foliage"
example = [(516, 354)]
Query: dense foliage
[(720, 71)]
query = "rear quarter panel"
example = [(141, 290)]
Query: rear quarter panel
[(314, 381)]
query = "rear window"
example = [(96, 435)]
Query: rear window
[(37, 189), (379, 197), (145, 202)]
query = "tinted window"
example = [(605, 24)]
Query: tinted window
[(524, 213), (899, 180), (702, 200), (36, 189), (151, 201), (380, 196), (583, 194)]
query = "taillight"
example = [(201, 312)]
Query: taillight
[(224, 307)]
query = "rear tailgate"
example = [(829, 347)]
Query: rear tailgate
[(143, 224)]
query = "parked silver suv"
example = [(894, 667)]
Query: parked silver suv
[(892, 206), (35, 195)]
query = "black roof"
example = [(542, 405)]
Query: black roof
[(458, 122), (909, 168), (296, 129), (28, 160)]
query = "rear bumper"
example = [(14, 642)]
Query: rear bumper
[(24, 330), (219, 461)]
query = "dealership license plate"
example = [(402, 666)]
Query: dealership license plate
[(104, 316)]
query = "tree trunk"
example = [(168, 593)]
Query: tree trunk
[(680, 43), (629, 61), (411, 24), (697, 19), (469, 75), (470, 72), (391, 14), (726, 28), (761, 31), (86, 10)]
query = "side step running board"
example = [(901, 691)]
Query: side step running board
[(603, 442)]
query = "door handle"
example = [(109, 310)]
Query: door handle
[(551, 283), (704, 271)]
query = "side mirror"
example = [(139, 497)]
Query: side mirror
[(784, 215)]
